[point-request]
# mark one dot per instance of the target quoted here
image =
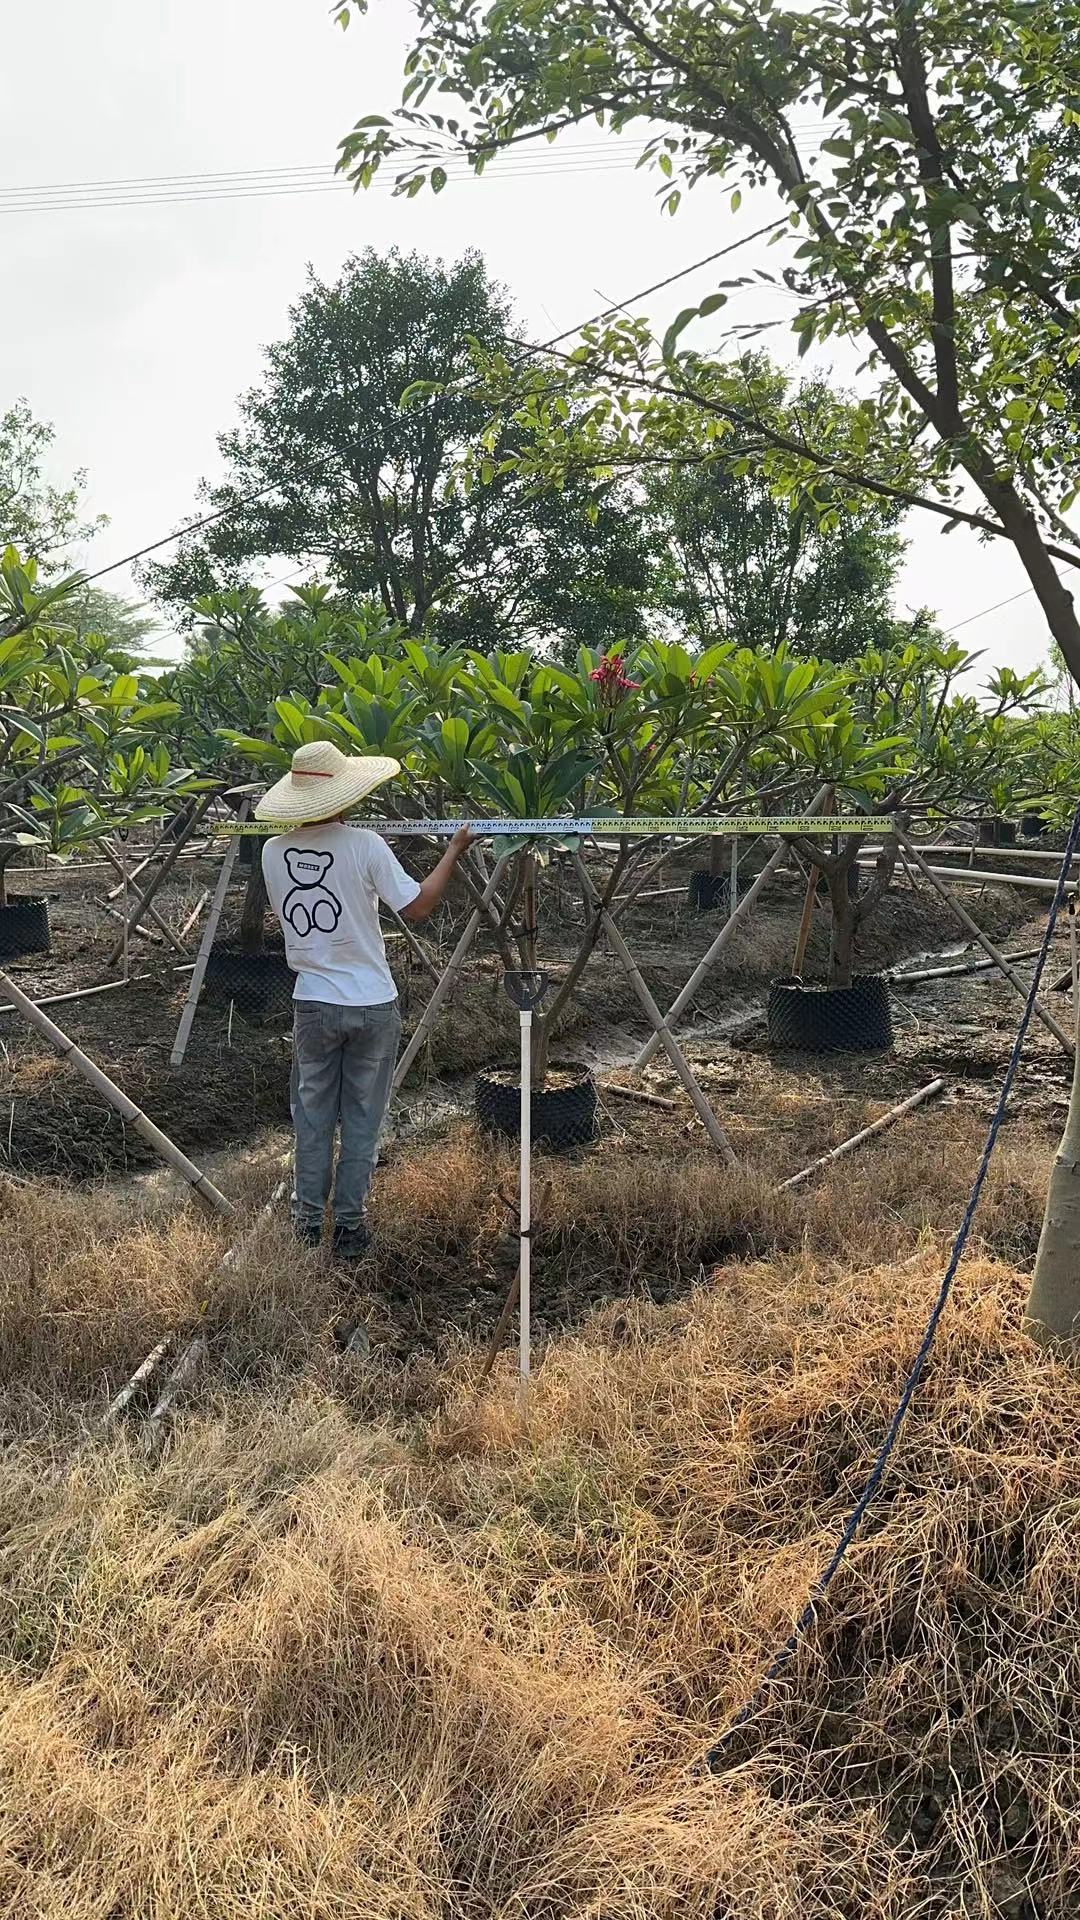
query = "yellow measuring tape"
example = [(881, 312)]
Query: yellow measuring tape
[(612, 824)]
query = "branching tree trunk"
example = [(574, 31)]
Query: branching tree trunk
[(253, 913)]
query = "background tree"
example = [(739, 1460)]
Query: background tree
[(36, 518), (365, 489)]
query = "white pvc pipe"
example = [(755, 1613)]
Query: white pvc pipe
[(525, 1202), (525, 1197), (974, 876)]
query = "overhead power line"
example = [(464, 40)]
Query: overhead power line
[(260, 493)]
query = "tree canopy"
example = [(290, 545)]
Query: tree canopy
[(354, 482), (935, 222), (37, 518)]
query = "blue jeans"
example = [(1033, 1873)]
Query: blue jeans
[(343, 1069)]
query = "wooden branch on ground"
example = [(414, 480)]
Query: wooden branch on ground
[(866, 1133), (135, 1117), (142, 1372), (82, 993), (140, 933), (639, 1093)]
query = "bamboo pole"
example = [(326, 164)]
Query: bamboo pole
[(664, 1036), (414, 946), (135, 1117), (143, 933), (987, 945), (954, 973), (639, 1093), (186, 1368), (705, 964), (804, 924), (187, 1015), (453, 968), (83, 993), (118, 867), (194, 914), (142, 900), (142, 1373), (866, 1133)]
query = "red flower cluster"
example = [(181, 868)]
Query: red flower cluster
[(611, 679)]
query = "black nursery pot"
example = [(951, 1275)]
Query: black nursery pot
[(563, 1112), (708, 891), (997, 833), (855, 1019), (1032, 826), (259, 984), (24, 926)]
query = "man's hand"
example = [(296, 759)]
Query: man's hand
[(433, 888), (461, 841)]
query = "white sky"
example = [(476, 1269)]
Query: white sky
[(133, 329)]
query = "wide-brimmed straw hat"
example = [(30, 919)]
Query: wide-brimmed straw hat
[(323, 782)]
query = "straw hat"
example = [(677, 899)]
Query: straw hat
[(321, 783)]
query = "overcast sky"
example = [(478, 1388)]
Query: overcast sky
[(134, 328)]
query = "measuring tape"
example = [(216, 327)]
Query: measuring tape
[(612, 824)]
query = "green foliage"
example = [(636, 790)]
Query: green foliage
[(936, 221), (352, 440), (36, 518)]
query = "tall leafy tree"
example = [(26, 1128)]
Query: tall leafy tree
[(736, 560), (39, 520), (353, 479)]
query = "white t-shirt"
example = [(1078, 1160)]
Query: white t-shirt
[(325, 884)]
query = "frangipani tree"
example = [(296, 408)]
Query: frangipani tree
[(910, 743)]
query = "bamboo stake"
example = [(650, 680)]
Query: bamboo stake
[(665, 1037), (142, 1372), (453, 968), (83, 993), (194, 914), (142, 900), (184, 1371), (1072, 946), (134, 1115), (705, 965), (415, 947), (154, 915), (187, 1015), (987, 946), (954, 973), (867, 1133), (639, 1093), (804, 924), (143, 933)]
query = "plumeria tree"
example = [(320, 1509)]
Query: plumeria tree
[(911, 743)]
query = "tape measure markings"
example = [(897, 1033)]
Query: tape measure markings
[(611, 824)]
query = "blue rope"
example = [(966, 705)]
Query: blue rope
[(716, 1753)]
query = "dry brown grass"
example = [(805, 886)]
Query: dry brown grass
[(362, 1646)]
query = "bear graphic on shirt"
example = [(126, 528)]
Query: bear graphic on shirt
[(310, 907)]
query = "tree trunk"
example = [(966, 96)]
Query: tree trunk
[(1053, 1308), (716, 855), (843, 931), (5, 856), (253, 916)]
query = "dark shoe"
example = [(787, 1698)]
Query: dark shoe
[(308, 1234), (351, 1243)]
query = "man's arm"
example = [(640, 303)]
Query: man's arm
[(433, 888)]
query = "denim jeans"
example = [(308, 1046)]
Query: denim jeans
[(343, 1068)]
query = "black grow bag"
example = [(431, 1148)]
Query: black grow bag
[(997, 833), (563, 1114), (1033, 826), (260, 985), (24, 926), (851, 1019), (708, 891)]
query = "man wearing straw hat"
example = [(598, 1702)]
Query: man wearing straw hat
[(325, 880)]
